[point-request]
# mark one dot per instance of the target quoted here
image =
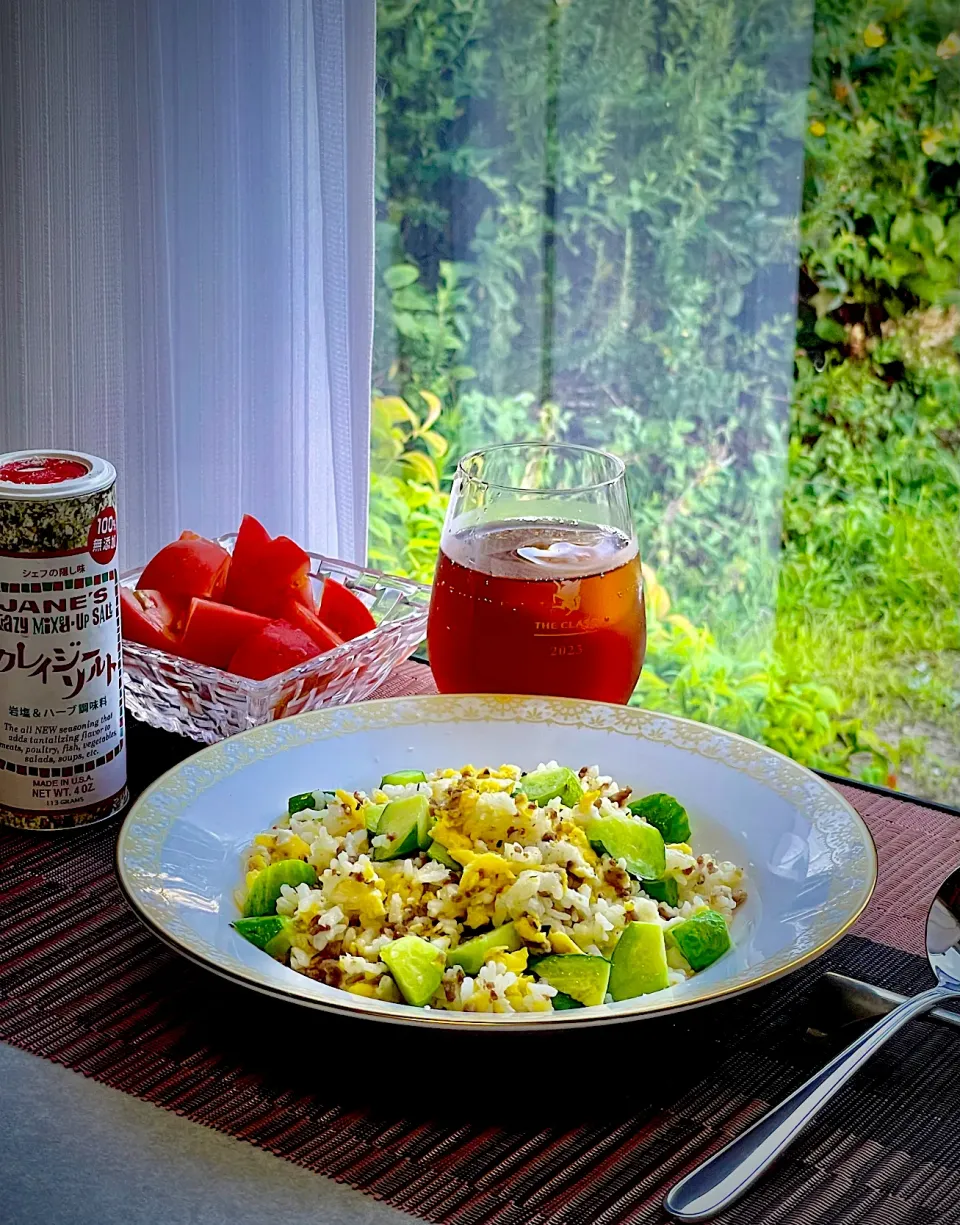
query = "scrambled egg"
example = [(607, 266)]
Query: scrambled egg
[(446, 831), (343, 816), (483, 881), (363, 898), (585, 804), (530, 933), (484, 811), (484, 877), (514, 962), (576, 835), (369, 990), (293, 847), (480, 870)]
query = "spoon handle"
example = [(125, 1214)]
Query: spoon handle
[(723, 1178)]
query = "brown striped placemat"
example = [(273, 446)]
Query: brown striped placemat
[(585, 1129)]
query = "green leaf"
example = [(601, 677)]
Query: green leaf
[(934, 225), (434, 407), (422, 467), (437, 445), (407, 325), (411, 299), (828, 329), (928, 290), (394, 409), (902, 227), (400, 275)]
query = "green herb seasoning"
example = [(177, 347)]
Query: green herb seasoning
[(62, 751)]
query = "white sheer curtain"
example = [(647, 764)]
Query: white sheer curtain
[(186, 221)]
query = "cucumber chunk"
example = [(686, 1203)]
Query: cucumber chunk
[(437, 851), (561, 1002), (424, 828), (676, 959), (666, 813), (309, 799), (702, 939), (403, 778), (282, 942), (417, 967), (265, 890), (666, 890), (272, 933), (405, 824), (578, 975), (371, 817), (641, 846), (471, 955), (639, 962), (542, 786)]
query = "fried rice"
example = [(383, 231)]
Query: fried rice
[(513, 861)]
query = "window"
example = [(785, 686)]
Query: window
[(722, 241)]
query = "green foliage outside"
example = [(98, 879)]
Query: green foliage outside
[(840, 517)]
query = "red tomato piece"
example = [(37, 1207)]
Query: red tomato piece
[(150, 618), (212, 632), (343, 611), (267, 574), (275, 648), (308, 621), (188, 568)]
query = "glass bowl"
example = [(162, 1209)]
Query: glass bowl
[(208, 704)]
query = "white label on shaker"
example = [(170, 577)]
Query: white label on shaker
[(61, 707)]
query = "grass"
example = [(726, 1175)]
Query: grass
[(885, 633)]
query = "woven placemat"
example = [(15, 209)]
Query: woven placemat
[(585, 1129)]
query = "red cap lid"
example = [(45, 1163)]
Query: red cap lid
[(42, 470)]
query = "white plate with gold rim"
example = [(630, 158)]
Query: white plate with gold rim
[(810, 861)]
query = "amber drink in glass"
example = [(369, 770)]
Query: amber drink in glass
[(538, 587)]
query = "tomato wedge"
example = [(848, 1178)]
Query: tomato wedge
[(267, 574), (344, 612), (275, 648), (188, 567), (150, 618), (212, 632), (308, 621)]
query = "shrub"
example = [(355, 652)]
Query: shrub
[(687, 674), (881, 207), (406, 503)]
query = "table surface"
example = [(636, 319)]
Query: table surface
[(74, 1151)]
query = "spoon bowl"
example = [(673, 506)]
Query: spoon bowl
[(943, 931)]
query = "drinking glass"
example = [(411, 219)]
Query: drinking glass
[(538, 587)]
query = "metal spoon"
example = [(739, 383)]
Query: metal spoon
[(728, 1174)]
